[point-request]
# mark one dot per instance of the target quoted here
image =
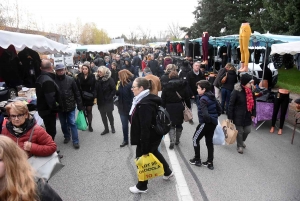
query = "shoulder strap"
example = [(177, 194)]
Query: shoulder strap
[(178, 95), (30, 137)]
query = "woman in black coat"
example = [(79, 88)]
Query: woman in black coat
[(125, 96), (86, 83), (242, 110), (228, 86), (143, 116), (173, 104), (104, 92), (164, 79)]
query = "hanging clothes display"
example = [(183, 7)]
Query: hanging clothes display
[(174, 48), (171, 47), (168, 46), (186, 44), (245, 33), (31, 63), (277, 60), (179, 49), (257, 54), (197, 49), (223, 55), (205, 38), (229, 52), (11, 71)]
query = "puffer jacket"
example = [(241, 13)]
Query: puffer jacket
[(42, 143), (104, 92), (69, 93), (209, 109), (237, 110)]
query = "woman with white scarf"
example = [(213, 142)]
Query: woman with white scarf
[(143, 116)]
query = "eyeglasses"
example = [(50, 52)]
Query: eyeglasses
[(16, 116), (134, 87)]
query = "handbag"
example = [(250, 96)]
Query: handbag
[(229, 130), (149, 167), (187, 113), (224, 79), (87, 95), (46, 167)]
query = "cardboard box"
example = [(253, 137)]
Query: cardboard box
[(27, 93)]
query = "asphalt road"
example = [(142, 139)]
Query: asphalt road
[(101, 170)]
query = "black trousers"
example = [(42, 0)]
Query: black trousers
[(281, 101), (142, 185), (206, 130), (104, 116), (50, 124)]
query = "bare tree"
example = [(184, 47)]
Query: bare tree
[(144, 34), (132, 37), (175, 31)]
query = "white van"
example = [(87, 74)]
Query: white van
[(65, 59)]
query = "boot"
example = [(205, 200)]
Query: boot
[(113, 129), (242, 68), (91, 128), (172, 137), (178, 134)]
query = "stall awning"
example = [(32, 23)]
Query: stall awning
[(37, 43), (286, 48)]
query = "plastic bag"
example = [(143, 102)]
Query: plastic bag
[(149, 167), (219, 137), (81, 121)]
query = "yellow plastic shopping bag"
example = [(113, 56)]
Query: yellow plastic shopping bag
[(149, 167)]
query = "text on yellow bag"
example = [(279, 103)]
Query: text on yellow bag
[(149, 167)]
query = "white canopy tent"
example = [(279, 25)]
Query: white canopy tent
[(37, 43), (286, 48)]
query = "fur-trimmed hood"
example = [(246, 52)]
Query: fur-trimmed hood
[(238, 87), (107, 75)]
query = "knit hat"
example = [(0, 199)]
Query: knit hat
[(245, 79)]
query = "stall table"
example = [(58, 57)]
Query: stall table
[(264, 112)]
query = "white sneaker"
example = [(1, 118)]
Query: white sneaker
[(168, 177), (135, 190)]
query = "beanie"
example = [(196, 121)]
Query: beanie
[(245, 79)]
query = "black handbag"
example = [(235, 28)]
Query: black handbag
[(87, 95)]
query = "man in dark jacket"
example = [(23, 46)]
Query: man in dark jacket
[(192, 78), (70, 96), (48, 97), (153, 65), (127, 65), (98, 61), (136, 61), (119, 62)]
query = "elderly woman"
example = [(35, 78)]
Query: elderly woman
[(17, 179), (105, 90), (141, 133), (242, 109), (19, 128)]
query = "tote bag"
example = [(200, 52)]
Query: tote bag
[(187, 113)]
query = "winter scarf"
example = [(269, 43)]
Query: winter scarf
[(138, 98), (249, 98)]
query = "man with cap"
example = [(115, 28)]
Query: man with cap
[(48, 97), (70, 96), (242, 110)]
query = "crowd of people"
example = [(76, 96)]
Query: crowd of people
[(101, 80)]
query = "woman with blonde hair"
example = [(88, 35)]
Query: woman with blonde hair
[(164, 79), (17, 179), (125, 96), (105, 90), (19, 126)]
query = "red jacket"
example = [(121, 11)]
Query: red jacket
[(179, 48), (144, 65), (171, 48), (42, 143)]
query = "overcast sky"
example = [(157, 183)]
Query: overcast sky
[(115, 16)]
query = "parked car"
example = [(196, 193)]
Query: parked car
[(258, 72), (6, 92)]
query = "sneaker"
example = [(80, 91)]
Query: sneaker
[(66, 140), (240, 150), (171, 146), (135, 190), (91, 129), (168, 177), (76, 145), (196, 162), (209, 165)]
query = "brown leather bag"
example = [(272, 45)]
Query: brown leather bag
[(224, 79)]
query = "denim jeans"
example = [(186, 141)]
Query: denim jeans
[(125, 121), (225, 98), (67, 121)]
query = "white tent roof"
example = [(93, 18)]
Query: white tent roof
[(37, 43), (286, 48)]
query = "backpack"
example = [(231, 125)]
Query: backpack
[(163, 121)]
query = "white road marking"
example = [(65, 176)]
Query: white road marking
[(183, 191)]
